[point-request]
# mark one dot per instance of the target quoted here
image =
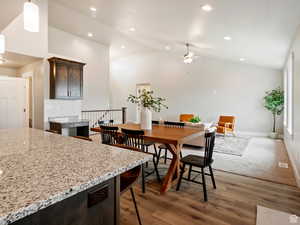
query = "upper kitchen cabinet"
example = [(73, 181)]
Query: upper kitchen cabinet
[(66, 79)]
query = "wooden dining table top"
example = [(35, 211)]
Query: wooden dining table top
[(163, 134)]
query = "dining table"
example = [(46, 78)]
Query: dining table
[(173, 138)]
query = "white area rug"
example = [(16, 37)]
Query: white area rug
[(231, 145), (266, 216)]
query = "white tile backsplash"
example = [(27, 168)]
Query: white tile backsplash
[(61, 108)]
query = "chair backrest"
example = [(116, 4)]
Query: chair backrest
[(174, 124), (186, 117), (209, 146), (134, 138), (105, 122), (109, 135), (155, 122), (227, 119)]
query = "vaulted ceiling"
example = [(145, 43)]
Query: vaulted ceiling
[(261, 30), (8, 11)]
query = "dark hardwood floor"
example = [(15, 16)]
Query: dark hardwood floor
[(234, 202)]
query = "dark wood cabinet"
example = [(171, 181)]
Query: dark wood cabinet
[(99, 205), (66, 79)]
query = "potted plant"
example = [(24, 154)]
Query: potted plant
[(147, 103), (195, 119), (274, 101)]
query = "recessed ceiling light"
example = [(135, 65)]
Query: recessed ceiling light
[(93, 9), (207, 8), (227, 38), (123, 46), (167, 47), (90, 34), (242, 59), (132, 29)]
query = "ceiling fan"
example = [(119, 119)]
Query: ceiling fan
[(189, 56)]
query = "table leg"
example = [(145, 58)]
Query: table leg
[(173, 171)]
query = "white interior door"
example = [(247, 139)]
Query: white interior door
[(12, 103)]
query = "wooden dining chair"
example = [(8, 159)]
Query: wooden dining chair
[(201, 162), (128, 178), (105, 122), (135, 139), (148, 144), (109, 135), (163, 146)]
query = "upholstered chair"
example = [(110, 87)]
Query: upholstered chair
[(226, 125)]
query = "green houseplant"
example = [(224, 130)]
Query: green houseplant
[(195, 119), (274, 102), (147, 102)]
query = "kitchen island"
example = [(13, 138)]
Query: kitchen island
[(49, 179)]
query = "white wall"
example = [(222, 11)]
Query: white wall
[(23, 42), (96, 71), (293, 141), (208, 87)]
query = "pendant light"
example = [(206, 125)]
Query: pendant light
[(31, 17), (2, 44)]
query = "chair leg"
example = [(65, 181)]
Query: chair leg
[(204, 184), (166, 155), (135, 206), (212, 177), (190, 172), (156, 170), (180, 177), (147, 150), (181, 154), (143, 180), (158, 156)]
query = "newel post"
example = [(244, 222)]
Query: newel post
[(124, 109)]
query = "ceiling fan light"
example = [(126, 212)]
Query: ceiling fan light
[(2, 44), (187, 60), (31, 17)]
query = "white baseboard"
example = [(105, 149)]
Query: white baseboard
[(294, 165), (253, 134)]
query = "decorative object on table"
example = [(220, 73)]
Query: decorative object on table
[(274, 101), (147, 102), (185, 117), (195, 119), (226, 125)]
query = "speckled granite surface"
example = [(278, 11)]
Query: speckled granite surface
[(38, 169)]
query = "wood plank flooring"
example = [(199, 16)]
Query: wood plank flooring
[(233, 202)]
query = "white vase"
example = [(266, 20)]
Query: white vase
[(146, 119)]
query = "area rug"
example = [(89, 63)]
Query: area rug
[(231, 145), (266, 216)]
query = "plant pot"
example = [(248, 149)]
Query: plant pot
[(273, 135), (146, 119)]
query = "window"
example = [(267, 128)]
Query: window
[(288, 88)]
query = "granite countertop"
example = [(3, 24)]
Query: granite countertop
[(38, 169)]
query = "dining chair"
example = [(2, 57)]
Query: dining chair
[(105, 122), (201, 162), (135, 139), (163, 146), (150, 143), (128, 178), (109, 135)]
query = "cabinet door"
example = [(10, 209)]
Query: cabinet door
[(61, 81), (75, 81)]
